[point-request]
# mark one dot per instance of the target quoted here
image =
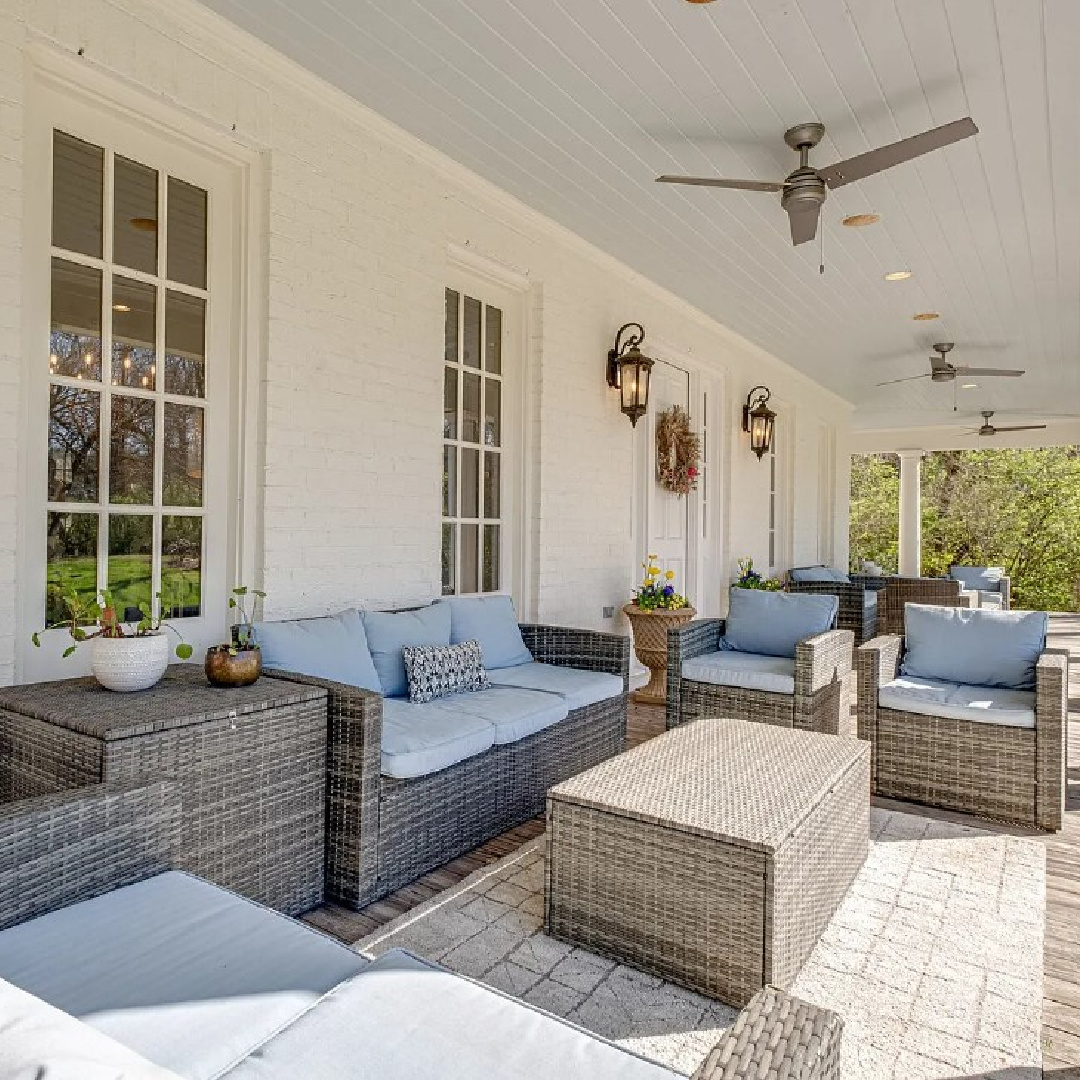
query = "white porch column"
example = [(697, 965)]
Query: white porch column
[(910, 513)]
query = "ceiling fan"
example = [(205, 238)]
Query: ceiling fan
[(804, 191), (988, 429), (942, 371)]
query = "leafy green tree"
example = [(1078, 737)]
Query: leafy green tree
[(1014, 508)]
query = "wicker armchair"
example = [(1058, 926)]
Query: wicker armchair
[(906, 590), (857, 613), (383, 833), (824, 683), (1010, 774), (992, 584)]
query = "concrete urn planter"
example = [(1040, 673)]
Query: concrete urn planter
[(650, 646), (129, 663)]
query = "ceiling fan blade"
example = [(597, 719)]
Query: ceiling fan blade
[(804, 223), (1010, 373), (885, 157), (1020, 427), (708, 181), (910, 378)]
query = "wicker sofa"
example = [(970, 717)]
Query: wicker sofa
[(821, 698), (858, 610), (1012, 769), (385, 831), (111, 964)]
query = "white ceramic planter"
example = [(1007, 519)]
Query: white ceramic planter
[(130, 663)]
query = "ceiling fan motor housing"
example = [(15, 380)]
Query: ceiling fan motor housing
[(803, 189)]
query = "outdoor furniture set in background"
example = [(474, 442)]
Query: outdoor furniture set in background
[(858, 611), (989, 583)]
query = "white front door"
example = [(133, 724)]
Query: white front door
[(665, 530)]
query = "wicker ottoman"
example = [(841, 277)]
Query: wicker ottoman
[(713, 856), (250, 763)]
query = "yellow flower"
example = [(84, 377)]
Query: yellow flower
[(670, 575), (654, 556), (654, 571)]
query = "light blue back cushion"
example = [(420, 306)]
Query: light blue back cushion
[(981, 648), (388, 632), (984, 578), (492, 621), (773, 623), (817, 573), (334, 647)]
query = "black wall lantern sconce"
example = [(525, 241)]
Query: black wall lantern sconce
[(628, 370), (757, 419)]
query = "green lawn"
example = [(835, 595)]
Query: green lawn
[(129, 582)]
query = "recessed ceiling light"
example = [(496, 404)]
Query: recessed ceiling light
[(855, 220), (898, 275), (121, 307), (926, 316), (144, 224), (969, 386)]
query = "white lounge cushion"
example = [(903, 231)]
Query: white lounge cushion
[(751, 671), (421, 739), (960, 701), (186, 974), (576, 686), (39, 1042), (405, 1019), (513, 713)]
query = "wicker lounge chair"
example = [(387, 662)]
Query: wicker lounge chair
[(115, 845), (907, 590), (990, 582), (824, 690), (858, 603), (995, 770)]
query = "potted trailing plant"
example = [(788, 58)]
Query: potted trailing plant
[(123, 656), (749, 578), (238, 662), (656, 608)]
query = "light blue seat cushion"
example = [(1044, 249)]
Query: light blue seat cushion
[(513, 713), (978, 578), (184, 973), (990, 599), (388, 632), (405, 1019), (957, 701), (976, 647), (492, 621), (870, 600), (576, 686), (38, 1042), (334, 647), (818, 573), (751, 671), (773, 623), (421, 739)]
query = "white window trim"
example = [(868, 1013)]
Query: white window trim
[(59, 85), (489, 281)]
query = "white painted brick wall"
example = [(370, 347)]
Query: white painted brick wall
[(359, 230)]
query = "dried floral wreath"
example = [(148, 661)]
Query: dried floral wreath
[(678, 452)]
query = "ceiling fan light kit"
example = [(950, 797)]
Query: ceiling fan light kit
[(804, 190)]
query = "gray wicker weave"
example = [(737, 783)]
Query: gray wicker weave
[(57, 850), (383, 833), (251, 763), (900, 591), (853, 613), (777, 1036), (713, 856), (824, 684), (1007, 773)]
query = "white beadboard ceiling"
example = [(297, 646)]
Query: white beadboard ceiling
[(575, 106)]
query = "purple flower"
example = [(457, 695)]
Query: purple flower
[(669, 590)]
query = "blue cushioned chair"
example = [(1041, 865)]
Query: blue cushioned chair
[(858, 602)]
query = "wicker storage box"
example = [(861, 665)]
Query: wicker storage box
[(713, 856), (250, 763)]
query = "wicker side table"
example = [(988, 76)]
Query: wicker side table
[(250, 762), (713, 856)]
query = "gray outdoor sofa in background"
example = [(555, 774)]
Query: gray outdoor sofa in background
[(113, 964)]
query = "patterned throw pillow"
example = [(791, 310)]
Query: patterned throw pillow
[(435, 671)]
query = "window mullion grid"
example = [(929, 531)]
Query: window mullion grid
[(159, 396), (481, 361), (459, 364), (105, 423)]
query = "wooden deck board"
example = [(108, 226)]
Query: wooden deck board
[(1061, 984)]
